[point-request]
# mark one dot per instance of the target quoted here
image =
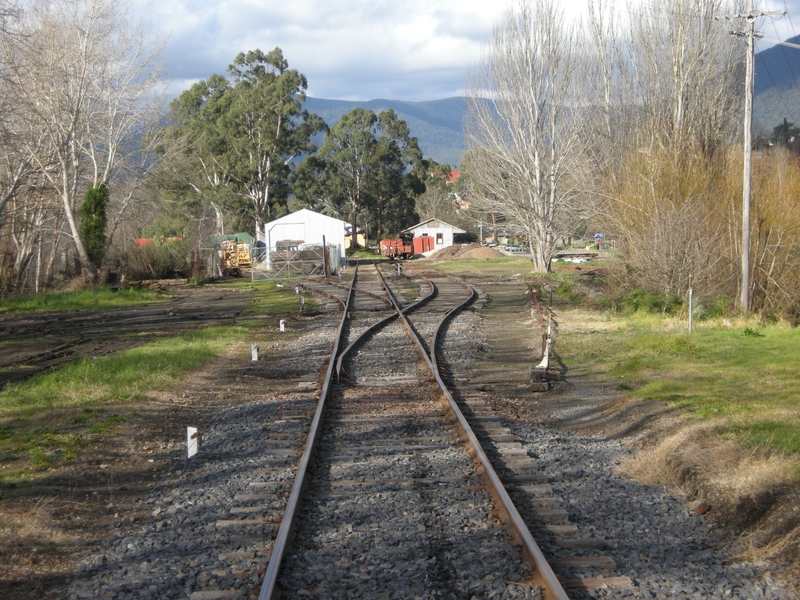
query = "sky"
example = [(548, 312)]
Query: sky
[(412, 50)]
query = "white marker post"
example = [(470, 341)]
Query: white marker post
[(254, 352), (690, 303), (192, 441), (283, 326)]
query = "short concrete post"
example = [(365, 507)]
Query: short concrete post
[(254, 352), (282, 326)]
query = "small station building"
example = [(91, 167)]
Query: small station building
[(433, 234)]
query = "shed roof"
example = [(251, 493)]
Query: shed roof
[(418, 225), (241, 237)]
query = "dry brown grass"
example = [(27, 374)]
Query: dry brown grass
[(23, 532), (696, 452), (752, 492)]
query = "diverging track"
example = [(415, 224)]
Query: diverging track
[(394, 497)]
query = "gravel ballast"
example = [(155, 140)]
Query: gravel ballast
[(654, 538)]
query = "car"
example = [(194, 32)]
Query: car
[(513, 248)]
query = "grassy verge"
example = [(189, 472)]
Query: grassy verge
[(49, 418), (484, 267), (269, 299), (93, 299), (745, 374)]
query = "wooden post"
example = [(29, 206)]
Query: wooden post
[(325, 258)]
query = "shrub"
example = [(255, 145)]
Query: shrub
[(720, 306), (565, 291), (93, 223), (166, 260), (639, 300)]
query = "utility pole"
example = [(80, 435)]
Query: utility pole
[(749, 34)]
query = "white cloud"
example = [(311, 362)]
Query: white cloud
[(353, 49)]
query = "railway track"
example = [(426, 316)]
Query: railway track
[(394, 496), (383, 486)]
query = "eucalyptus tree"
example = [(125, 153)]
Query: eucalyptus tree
[(524, 125), (396, 181), (438, 199), (243, 132), (366, 163)]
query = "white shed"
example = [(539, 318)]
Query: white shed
[(305, 227), (441, 232)]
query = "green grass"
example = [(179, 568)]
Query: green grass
[(98, 298), (271, 298), (748, 375), (50, 418), (119, 377), (507, 266), (365, 254)]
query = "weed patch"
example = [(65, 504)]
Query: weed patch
[(94, 299), (51, 417)]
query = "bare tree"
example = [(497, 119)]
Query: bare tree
[(84, 78), (524, 124), (661, 147), (683, 71)]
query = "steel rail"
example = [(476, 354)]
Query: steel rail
[(372, 328), (544, 575), (286, 530), (364, 293), (312, 290), (406, 325)]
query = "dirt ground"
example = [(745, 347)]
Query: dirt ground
[(40, 342), (49, 525)]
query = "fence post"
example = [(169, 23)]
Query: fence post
[(325, 258)]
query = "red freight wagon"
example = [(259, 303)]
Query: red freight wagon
[(396, 249)]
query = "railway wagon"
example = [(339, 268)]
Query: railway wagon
[(397, 248)]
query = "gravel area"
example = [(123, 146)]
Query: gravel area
[(656, 541), (189, 543), (667, 550), (654, 536)]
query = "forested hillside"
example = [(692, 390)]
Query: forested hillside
[(777, 86)]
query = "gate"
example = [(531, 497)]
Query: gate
[(294, 260)]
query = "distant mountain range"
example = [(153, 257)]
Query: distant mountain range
[(437, 124), (777, 87)]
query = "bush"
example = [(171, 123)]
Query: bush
[(93, 223), (605, 302), (640, 300), (165, 260), (721, 306), (565, 291)]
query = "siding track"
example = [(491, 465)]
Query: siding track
[(394, 496)]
